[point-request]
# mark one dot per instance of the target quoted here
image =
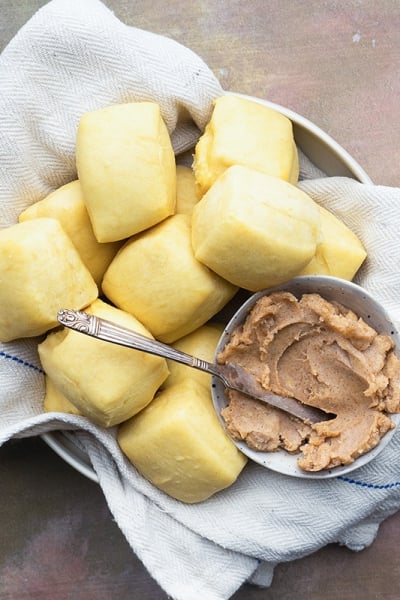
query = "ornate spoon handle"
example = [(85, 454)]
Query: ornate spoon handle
[(116, 334)]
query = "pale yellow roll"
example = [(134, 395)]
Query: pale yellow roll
[(108, 383), (126, 166), (40, 272), (248, 133), (179, 445), (66, 204), (156, 277), (339, 254), (255, 230)]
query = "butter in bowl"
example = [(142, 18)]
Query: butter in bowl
[(328, 343)]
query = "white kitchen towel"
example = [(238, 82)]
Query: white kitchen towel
[(76, 56)]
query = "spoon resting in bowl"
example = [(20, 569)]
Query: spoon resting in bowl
[(232, 375)]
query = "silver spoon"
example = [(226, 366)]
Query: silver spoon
[(233, 376)]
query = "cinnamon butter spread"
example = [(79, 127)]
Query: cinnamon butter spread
[(324, 355)]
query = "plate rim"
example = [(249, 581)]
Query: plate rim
[(70, 453)]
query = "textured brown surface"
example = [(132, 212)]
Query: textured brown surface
[(335, 63)]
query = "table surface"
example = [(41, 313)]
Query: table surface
[(334, 62)]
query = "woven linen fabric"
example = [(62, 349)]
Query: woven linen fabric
[(77, 56)]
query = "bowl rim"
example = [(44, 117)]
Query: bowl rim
[(339, 152)]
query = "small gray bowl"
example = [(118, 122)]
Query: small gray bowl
[(351, 296)]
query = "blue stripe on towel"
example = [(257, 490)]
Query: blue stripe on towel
[(371, 486), (20, 361), (363, 484)]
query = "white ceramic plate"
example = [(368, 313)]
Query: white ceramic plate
[(332, 289), (327, 155)]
